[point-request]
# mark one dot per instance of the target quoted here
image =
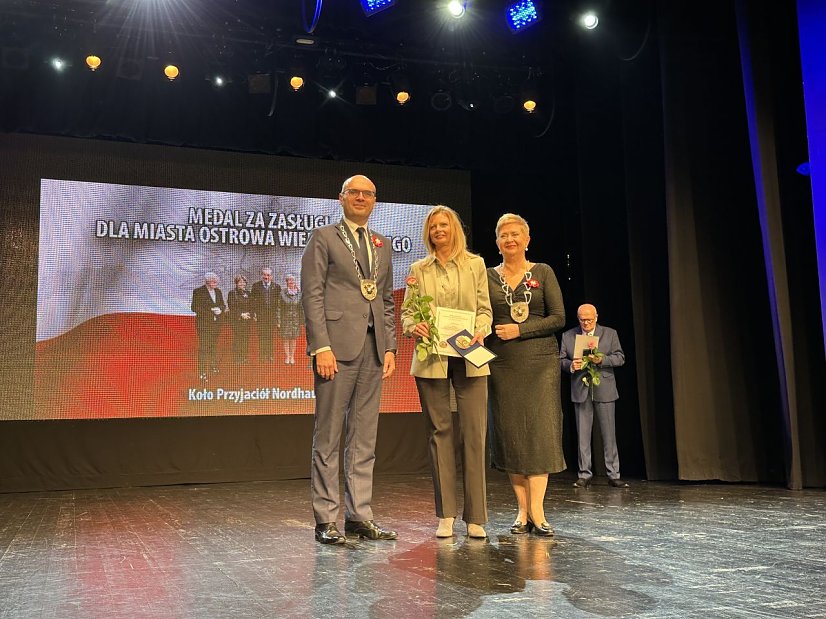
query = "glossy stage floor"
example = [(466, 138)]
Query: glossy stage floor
[(247, 550)]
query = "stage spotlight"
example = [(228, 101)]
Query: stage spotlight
[(589, 20), (296, 82), (457, 8), (93, 62), (529, 93), (441, 100), (58, 64), (371, 7), (521, 15), (219, 81), (400, 86), (171, 72), (331, 94)]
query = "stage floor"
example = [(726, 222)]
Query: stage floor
[(247, 550)]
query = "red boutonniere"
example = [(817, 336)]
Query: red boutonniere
[(377, 241), (532, 283)]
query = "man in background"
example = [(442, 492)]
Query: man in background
[(600, 398), (264, 298)]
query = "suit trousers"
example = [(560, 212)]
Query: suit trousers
[(265, 327), (208, 332), (471, 399), (350, 404), (584, 426)]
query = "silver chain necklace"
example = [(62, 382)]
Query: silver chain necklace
[(519, 309), (368, 285)]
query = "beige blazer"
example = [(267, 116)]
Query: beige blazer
[(473, 296)]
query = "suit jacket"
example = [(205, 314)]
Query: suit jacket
[(335, 312), (609, 344), (474, 296), (258, 302), (202, 305)]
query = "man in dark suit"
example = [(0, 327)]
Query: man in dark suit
[(208, 305), (599, 398), (264, 297), (347, 281)]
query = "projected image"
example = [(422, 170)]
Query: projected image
[(158, 302)]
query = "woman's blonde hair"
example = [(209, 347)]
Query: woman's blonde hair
[(511, 218), (458, 251)]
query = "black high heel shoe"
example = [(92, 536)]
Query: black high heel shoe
[(517, 528), (542, 530)]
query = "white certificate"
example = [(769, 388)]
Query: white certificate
[(584, 342), (449, 322)]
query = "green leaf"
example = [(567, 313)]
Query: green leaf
[(421, 354)]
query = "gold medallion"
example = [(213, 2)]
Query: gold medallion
[(368, 289), (463, 342), (519, 311)]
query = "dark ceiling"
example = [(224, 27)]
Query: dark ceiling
[(478, 61)]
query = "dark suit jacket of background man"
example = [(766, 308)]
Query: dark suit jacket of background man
[(202, 305), (609, 344)]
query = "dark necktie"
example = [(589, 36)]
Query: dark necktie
[(364, 261), (363, 255)]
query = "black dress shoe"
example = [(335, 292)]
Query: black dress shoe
[(582, 482), (328, 533), (517, 528), (617, 483), (367, 529), (542, 530)]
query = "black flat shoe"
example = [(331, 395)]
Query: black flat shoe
[(618, 483), (542, 530), (328, 533), (582, 482), (517, 528), (367, 529)]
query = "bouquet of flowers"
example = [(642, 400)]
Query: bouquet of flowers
[(422, 312), (590, 358)]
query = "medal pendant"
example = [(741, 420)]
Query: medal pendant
[(519, 311), (368, 289)]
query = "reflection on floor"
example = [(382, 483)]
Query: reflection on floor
[(247, 550)]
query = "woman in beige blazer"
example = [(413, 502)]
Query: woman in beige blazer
[(456, 279)]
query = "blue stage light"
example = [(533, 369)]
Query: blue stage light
[(521, 14), (371, 7)]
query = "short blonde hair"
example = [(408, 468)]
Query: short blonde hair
[(458, 251), (511, 218)]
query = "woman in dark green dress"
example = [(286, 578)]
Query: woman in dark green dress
[(526, 428)]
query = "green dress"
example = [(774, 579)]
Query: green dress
[(523, 389)]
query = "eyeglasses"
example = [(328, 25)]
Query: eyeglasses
[(587, 319), (353, 193)]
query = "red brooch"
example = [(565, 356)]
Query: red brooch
[(377, 241), (532, 283)]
